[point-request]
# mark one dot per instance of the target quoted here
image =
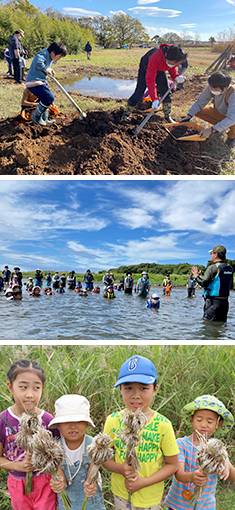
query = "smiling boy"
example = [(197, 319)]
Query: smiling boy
[(206, 414), (157, 451)]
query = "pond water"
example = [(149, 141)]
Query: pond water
[(72, 317), (101, 87)]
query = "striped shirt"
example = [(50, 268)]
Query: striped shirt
[(174, 497)]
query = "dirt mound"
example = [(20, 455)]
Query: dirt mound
[(101, 144)]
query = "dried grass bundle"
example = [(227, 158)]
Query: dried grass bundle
[(98, 452), (130, 435), (48, 457), (30, 424), (211, 457)]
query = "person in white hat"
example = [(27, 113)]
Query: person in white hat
[(72, 416), (154, 301)]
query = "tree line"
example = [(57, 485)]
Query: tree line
[(42, 28), (179, 269)]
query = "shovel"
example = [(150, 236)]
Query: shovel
[(82, 114), (189, 138), (154, 110)]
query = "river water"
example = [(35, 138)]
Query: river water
[(72, 317)]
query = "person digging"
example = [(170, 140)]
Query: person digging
[(152, 72), (36, 81), (222, 113)]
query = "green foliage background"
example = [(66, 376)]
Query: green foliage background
[(40, 29)]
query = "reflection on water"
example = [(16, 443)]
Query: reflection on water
[(72, 317), (101, 87)]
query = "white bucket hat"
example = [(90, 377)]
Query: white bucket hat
[(71, 408)]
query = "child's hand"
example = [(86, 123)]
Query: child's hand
[(135, 484), (58, 485), (26, 464), (199, 478), (90, 489), (127, 471), (224, 473)]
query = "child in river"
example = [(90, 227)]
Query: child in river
[(154, 301), (205, 414), (157, 451), (72, 416), (26, 381)]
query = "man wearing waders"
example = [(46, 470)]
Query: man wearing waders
[(216, 284), (143, 285), (128, 284), (152, 75)]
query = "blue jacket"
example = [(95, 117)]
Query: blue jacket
[(40, 64)]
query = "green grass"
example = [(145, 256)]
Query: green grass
[(184, 372)]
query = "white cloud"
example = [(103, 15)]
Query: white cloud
[(155, 12), (231, 2), (144, 2), (188, 25), (160, 31), (152, 249), (111, 13), (22, 222), (134, 217), (80, 12)]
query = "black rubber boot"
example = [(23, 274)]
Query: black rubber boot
[(167, 112)]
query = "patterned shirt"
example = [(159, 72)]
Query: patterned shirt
[(174, 498)]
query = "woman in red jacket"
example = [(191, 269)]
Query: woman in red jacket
[(152, 75)]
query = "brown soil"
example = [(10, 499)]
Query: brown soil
[(101, 144)]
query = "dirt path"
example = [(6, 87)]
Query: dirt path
[(102, 145)]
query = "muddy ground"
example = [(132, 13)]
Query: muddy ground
[(101, 144)]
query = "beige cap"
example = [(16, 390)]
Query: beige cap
[(71, 408)]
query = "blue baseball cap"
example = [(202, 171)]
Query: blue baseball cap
[(137, 369)]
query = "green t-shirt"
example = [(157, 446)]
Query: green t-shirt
[(158, 440)]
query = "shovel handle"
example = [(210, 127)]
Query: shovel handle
[(82, 114), (151, 113)]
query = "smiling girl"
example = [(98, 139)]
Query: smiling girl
[(26, 382)]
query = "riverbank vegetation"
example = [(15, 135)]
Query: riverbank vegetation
[(178, 272), (184, 372)]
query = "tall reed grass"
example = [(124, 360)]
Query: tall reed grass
[(184, 372)]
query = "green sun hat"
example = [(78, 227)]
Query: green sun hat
[(213, 404)]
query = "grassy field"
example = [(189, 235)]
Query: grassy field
[(184, 372)]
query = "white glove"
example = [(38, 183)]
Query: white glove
[(179, 79), (50, 71), (155, 104)]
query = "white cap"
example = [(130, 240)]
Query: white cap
[(71, 408)]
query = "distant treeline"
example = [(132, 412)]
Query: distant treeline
[(177, 269), (40, 29), (180, 269)]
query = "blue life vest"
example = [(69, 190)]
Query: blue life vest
[(151, 305), (221, 284)]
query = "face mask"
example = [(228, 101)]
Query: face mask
[(170, 65), (216, 92)]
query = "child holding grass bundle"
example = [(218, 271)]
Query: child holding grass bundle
[(206, 414), (26, 382), (157, 449), (72, 416)]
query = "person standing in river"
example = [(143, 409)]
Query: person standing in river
[(216, 284)]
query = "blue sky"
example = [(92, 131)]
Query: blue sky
[(207, 18), (99, 224)]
